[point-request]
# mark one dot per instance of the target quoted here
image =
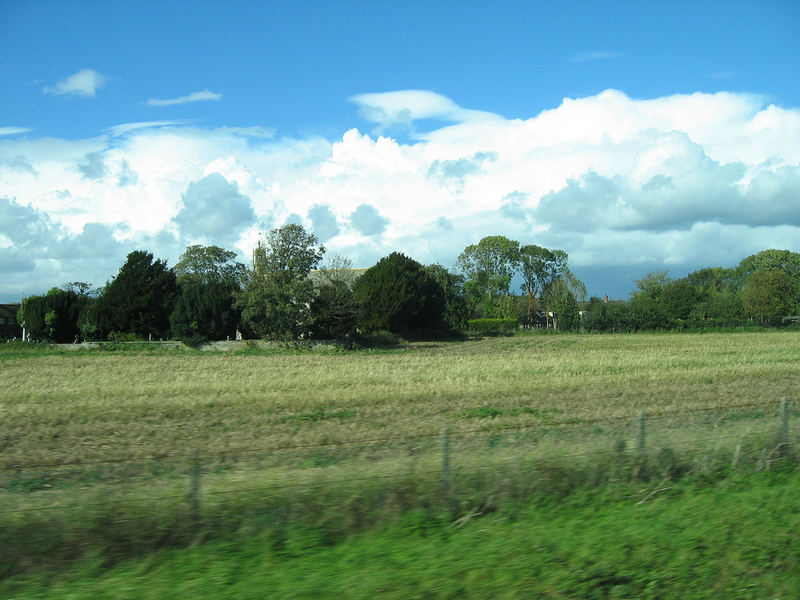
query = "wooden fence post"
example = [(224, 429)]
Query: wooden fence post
[(785, 422), (445, 477), (640, 445)]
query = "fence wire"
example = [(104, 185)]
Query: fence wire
[(177, 458), (449, 444)]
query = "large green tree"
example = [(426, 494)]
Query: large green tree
[(488, 268), (138, 301), (785, 261), (397, 294), (210, 264), (560, 300), (712, 280), (646, 301), (209, 277), (767, 296), (276, 300), (539, 268), (454, 297), (718, 302), (333, 311), (679, 298), (204, 311)]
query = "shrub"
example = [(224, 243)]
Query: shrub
[(54, 316), (492, 326)]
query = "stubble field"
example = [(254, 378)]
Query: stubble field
[(88, 406)]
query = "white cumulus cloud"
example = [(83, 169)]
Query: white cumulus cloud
[(624, 185), (85, 83)]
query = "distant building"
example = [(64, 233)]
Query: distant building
[(348, 276), (9, 328)]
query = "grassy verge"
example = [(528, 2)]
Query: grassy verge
[(52, 522), (734, 538)]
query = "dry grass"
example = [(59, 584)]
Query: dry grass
[(94, 406)]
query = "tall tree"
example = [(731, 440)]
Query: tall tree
[(204, 311), (288, 252), (560, 300), (767, 295), (717, 298), (454, 297), (646, 301), (276, 300), (397, 294), (209, 277), (539, 268), (773, 260), (138, 300), (333, 311), (210, 264), (712, 280), (488, 267), (679, 298)]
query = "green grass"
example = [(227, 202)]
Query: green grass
[(735, 539)]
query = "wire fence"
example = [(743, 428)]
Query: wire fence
[(500, 450), (385, 440)]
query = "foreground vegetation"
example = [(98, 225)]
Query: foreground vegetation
[(735, 539)]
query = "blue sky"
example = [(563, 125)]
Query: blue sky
[(634, 135)]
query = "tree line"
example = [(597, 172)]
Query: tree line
[(294, 290), (763, 288)]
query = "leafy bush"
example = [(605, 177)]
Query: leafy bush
[(123, 336), (378, 339), (54, 316), (492, 326)]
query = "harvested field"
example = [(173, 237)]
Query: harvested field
[(73, 407)]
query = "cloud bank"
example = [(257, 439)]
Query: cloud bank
[(623, 185)]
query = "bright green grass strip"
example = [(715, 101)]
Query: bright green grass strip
[(740, 539)]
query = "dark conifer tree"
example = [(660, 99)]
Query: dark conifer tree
[(204, 311), (397, 294), (138, 301)]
